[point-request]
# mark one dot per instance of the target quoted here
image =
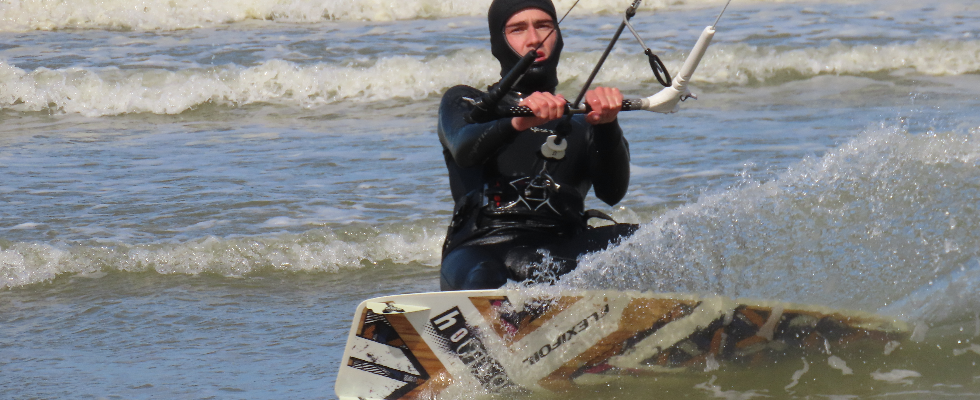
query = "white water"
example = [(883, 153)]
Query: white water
[(184, 14), (23, 264), (112, 91)]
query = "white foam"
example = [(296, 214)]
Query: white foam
[(838, 363), (896, 376), (112, 91), (742, 64), (201, 225), (892, 346), (18, 15), (281, 221), (975, 348), (28, 263), (716, 391), (26, 225), (797, 375)]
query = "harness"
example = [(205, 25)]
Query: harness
[(528, 204)]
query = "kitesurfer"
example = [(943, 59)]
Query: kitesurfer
[(519, 215)]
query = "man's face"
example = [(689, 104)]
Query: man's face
[(527, 28)]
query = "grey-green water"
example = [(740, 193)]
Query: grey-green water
[(193, 202)]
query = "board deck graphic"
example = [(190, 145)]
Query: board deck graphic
[(419, 345)]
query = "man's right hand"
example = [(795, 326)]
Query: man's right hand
[(546, 107)]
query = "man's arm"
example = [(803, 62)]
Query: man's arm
[(609, 163), (610, 158), (470, 144)]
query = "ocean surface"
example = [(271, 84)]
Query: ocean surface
[(195, 196)]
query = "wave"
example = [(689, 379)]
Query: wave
[(888, 222), (21, 15), (742, 64), (112, 91), (315, 251), (885, 223)]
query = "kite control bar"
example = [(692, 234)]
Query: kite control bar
[(524, 111), (666, 101)]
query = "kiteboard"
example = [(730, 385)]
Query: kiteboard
[(512, 341)]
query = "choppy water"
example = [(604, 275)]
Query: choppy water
[(195, 196)]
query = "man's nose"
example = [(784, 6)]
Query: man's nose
[(533, 38)]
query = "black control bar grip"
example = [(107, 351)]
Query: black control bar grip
[(524, 111)]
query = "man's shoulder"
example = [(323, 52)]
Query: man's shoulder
[(459, 91), (458, 100)]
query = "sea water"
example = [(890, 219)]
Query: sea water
[(194, 196)]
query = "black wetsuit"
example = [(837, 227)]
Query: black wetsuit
[(512, 204)]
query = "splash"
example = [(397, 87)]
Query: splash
[(112, 91), (316, 251), (888, 219)]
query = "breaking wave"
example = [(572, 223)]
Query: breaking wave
[(315, 251), (20, 15), (112, 91)]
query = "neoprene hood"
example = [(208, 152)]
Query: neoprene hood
[(543, 76)]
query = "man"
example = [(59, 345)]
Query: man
[(520, 215)]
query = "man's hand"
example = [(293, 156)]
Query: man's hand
[(606, 104), (546, 107)]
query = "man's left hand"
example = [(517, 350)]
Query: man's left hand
[(605, 103)]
